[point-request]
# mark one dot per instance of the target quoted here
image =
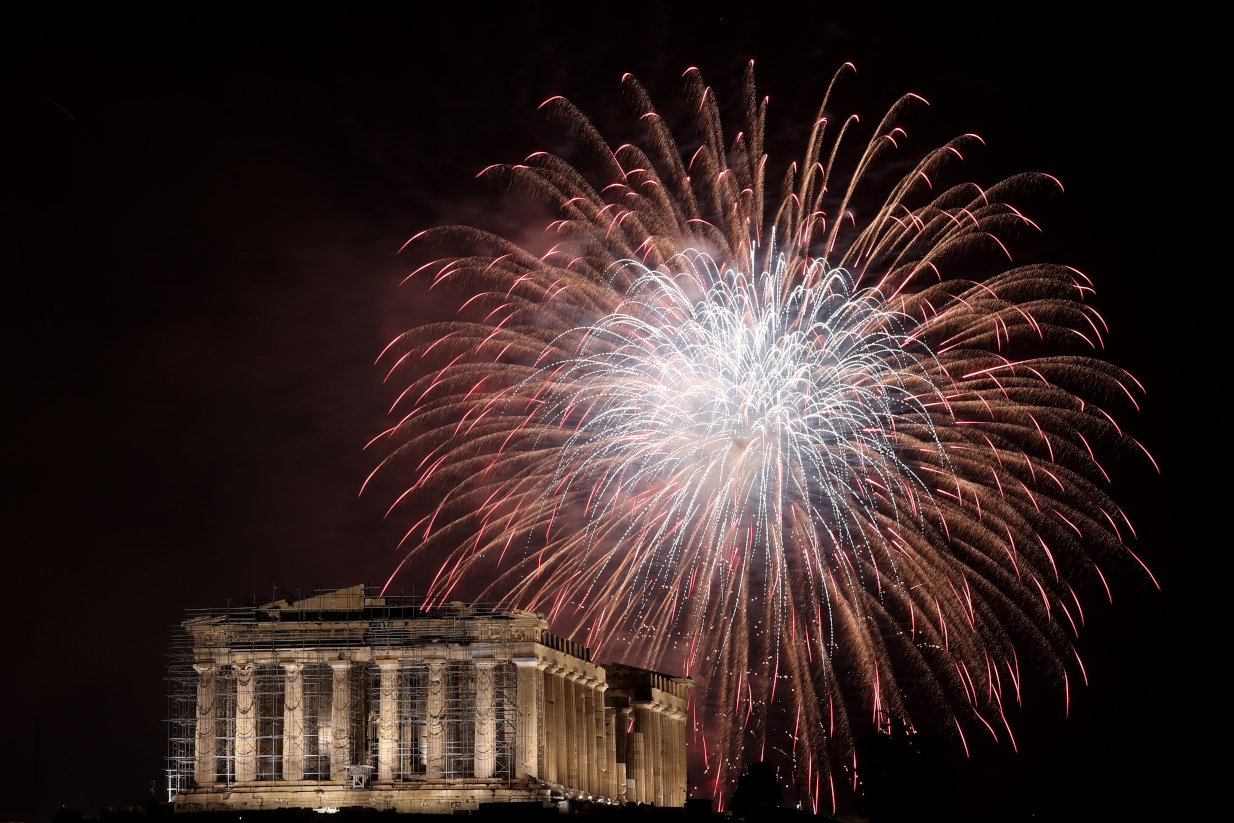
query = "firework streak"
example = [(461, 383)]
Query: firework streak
[(792, 456)]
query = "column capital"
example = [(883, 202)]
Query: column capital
[(524, 662), (292, 667), (339, 665), (388, 664), (205, 668), (486, 663)]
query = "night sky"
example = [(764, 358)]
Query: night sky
[(202, 213)]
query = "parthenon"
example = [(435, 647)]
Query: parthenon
[(347, 699)]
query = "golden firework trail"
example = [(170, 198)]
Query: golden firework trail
[(802, 459)]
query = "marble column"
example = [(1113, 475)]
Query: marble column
[(666, 746), (548, 767), (645, 774), (561, 734), (655, 754), (531, 703), (623, 724), (435, 737), (387, 719), (485, 762), (246, 723), (599, 765), (635, 765), (672, 770), (293, 721), (408, 742), (587, 733), (204, 768), (340, 719), (680, 761), (576, 766), (610, 753)]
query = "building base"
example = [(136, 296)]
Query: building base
[(442, 797)]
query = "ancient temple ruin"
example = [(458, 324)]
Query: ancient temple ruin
[(346, 699)]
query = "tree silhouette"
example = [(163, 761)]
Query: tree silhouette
[(758, 786), (904, 776)]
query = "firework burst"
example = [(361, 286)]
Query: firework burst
[(797, 458)]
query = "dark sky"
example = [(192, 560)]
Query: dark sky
[(202, 210)]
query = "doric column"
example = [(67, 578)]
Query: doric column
[(340, 719), (671, 766), (561, 732), (293, 721), (666, 753), (680, 763), (610, 753), (576, 765), (408, 737), (567, 768), (683, 743), (599, 763), (203, 755), (624, 726), (587, 730), (387, 718), (527, 729), (656, 754), (649, 748), (246, 723), (548, 769), (640, 753), (486, 720), (435, 742)]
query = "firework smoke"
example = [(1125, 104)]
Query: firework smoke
[(802, 460)]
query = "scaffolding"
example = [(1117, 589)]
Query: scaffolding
[(342, 686)]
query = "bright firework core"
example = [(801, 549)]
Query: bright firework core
[(821, 473), (763, 402)]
